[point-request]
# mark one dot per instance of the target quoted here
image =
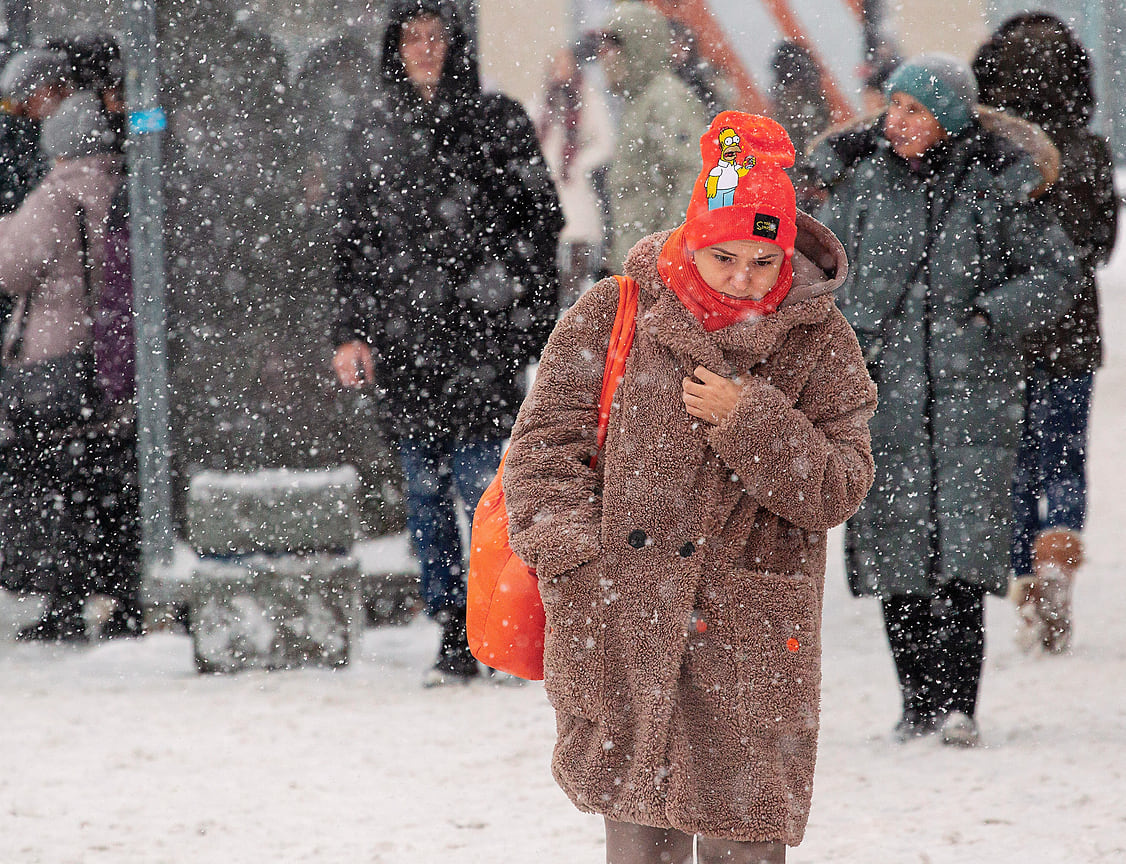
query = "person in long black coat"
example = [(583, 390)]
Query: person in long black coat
[(1061, 360), (446, 280)]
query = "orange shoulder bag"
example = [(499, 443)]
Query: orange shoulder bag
[(504, 612)]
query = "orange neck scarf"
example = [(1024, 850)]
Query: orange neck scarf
[(712, 308)]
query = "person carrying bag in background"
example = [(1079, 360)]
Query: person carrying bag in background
[(59, 432)]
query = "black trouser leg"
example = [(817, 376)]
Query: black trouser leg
[(959, 616), (907, 623), (938, 644)]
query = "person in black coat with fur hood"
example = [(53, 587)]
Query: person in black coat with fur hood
[(446, 280), (1061, 359)]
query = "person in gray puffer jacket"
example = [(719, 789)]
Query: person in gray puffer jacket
[(51, 255), (954, 265)]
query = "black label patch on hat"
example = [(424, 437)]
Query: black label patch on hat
[(767, 226)]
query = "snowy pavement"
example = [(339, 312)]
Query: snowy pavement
[(121, 753)]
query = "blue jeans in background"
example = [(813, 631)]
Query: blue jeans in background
[(436, 473), (1050, 483)]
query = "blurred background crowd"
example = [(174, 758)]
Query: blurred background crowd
[(261, 107)]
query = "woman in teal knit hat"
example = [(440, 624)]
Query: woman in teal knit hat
[(942, 85), (953, 265)]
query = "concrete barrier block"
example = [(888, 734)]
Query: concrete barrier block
[(275, 612)]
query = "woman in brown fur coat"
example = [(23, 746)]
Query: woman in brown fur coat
[(683, 578)]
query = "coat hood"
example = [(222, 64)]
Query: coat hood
[(839, 149), (645, 38), (460, 77), (1028, 137), (820, 266), (1042, 42)]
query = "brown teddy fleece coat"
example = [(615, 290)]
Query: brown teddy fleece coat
[(683, 578)]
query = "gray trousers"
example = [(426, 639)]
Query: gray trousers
[(627, 843)]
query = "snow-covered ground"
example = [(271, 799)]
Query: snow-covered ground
[(121, 753)]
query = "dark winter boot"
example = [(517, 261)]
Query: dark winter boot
[(455, 663), (62, 622), (125, 622), (914, 724)]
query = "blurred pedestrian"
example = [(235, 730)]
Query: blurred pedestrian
[(32, 85), (1050, 486), (954, 267), (95, 65), (242, 384), (799, 103), (701, 76), (682, 577), (21, 165), (52, 256), (576, 133), (874, 73), (334, 83), (447, 283), (655, 160)]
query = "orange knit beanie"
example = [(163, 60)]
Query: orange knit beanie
[(743, 192)]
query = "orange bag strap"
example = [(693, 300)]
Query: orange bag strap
[(621, 340)]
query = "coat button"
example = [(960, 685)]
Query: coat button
[(636, 538), (687, 550)]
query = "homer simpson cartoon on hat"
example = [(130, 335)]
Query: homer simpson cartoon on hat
[(724, 177)]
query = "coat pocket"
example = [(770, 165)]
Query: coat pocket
[(777, 642), (573, 640)]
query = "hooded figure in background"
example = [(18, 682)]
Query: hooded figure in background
[(446, 283), (244, 393), (682, 576), (1047, 550), (577, 135), (799, 103), (656, 161), (954, 265)]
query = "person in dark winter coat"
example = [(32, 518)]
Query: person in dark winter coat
[(953, 267), (21, 164), (683, 576), (445, 267), (33, 84), (1047, 550), (799, 103)]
